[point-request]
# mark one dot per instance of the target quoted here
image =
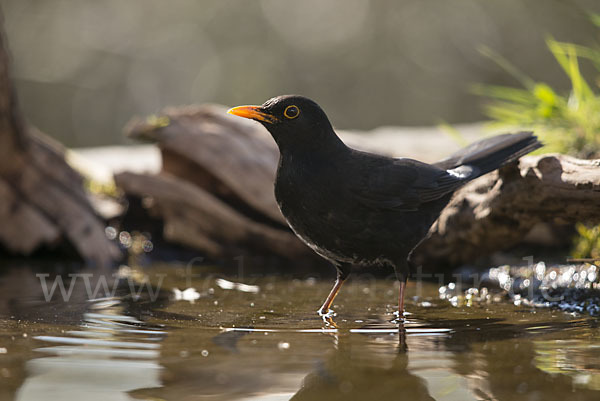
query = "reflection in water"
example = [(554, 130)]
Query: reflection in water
[(81, 348), (490, 367), (366, 363), (270, 345), (579, 359), (111, 354)]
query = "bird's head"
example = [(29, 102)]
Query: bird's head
[(293, 121)]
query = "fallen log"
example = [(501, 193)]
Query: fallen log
[(232, 159), (196, 218), (42, 200), (497, 211), (207, 152)]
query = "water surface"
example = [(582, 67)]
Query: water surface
[(264, 341)]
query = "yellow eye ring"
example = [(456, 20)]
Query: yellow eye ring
[(291, 112)]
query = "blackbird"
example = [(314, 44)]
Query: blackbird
[(358, 208)]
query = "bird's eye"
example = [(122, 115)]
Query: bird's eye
[(291, 112)]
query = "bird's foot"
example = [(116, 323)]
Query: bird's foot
[(327, 316), (326, 313), (400, 317)]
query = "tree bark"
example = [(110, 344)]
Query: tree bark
[(497, 211), (196, 218), (42, 200)]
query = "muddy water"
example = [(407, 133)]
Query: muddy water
[(263, 341)]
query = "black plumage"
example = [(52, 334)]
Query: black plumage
[(353, 207)]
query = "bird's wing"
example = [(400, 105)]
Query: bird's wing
[(404, 184)]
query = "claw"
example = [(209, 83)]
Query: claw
[(327, 317), (326, 313)]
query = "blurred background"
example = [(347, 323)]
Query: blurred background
[(83, 68)]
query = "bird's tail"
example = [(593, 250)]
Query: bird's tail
[(491, 153)]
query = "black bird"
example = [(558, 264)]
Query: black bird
[(358, 208)]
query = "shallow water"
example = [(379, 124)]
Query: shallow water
[(264, 341)]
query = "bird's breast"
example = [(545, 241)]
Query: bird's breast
[(308, 202)]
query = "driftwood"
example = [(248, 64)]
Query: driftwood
[(42, 200), (216, 190), (500, 209), (196, 218), (231, 158)]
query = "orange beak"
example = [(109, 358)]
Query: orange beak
[(253, 113)]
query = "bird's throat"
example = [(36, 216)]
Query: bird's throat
[(311, 147)]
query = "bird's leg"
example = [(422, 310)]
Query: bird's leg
[(324, 310), (401, 299), (402, 271), (343, 271)]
